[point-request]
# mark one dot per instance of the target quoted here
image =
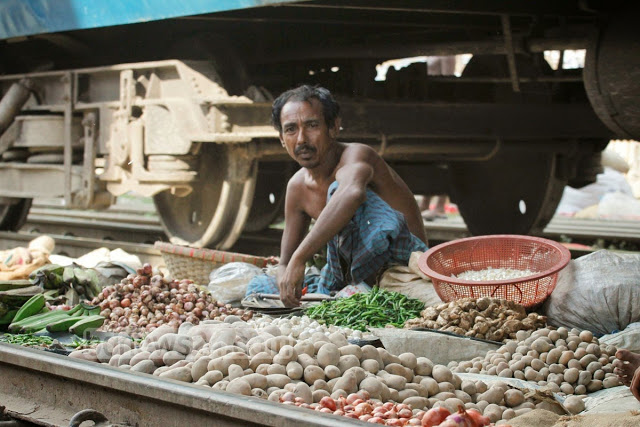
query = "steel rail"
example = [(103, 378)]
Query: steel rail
[(132, 225), (48, 389)]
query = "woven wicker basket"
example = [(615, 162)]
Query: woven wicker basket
[(195, 264)]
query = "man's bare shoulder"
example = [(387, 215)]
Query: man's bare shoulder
[(296, 182)]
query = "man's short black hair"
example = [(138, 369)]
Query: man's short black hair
[(330, 108)]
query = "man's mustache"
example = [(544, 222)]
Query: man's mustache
[(304, 148)]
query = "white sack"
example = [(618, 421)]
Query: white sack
[(599, 292)]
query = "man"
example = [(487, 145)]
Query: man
[(362, 209)]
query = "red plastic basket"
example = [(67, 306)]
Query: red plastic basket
[(545, 257)]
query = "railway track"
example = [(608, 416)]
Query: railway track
[(141, 224), (135, 228)]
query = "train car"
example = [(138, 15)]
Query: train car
[(172, 100)]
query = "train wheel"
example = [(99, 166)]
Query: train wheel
[(13, 216), (515, 191), (511, 193), (268, 201), (215, 212)]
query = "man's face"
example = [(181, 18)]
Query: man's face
[(305, 134)]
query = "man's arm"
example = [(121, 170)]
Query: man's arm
[(295, 227), (351, 193)]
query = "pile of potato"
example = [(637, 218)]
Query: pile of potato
[(568, 362), (233, 356), (487, 318), (303, 327)]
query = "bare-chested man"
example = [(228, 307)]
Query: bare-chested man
[(308, 121)]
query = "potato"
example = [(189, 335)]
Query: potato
[(584, 377), (370, 352), (276, 369), (144, 366), (416, 402), (104, 351), (212, 377), (312, 373), (171, 357), (431, 385), (349, 361), (594, 385), (277, 380), (372, 385), (199, 367), (393, 381), (294, 370), (317, 345), (444, 395), (513, 398), (259, 359), (351, 349), (304, 347), (286, 354), (574, 404), (174, 342), (407, 393), (580, 389), (179, 374), (441, 373), (424, 366), (303, 391), (494, 395), (139, 356), (508, 414), (494, 412), (128, 342), (259, 393), (338, 339), (239, 386), (225, 350), (275, 395), (370, 365), (328, 354), (277, 342), (120, 349), (305, 360), (468, 387), (446, 387), (465, 397), (347, 383), (586, 336), (408, 360), (553, 356), (398, 369), (422, 390), (540, 345), (332, 372), (89, 354), (387, 357), (235, 371)]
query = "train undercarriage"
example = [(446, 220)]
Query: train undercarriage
[(184, 115)]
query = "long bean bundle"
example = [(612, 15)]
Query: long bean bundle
[(374, 309)]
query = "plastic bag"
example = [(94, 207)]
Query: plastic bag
[(229, 283)]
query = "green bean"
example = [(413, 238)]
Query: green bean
[(27, 340), (376, 309)]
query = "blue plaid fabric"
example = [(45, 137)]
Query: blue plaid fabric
[(377, 236)]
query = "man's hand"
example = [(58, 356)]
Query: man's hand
[(290, 284)]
